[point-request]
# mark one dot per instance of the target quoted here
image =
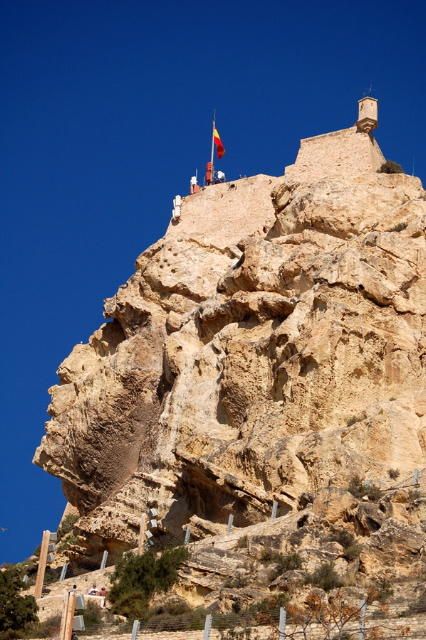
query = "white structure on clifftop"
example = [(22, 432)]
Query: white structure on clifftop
[(351, 151)]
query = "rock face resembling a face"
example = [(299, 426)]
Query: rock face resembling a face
[(268, 346)]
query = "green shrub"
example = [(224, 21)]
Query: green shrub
[(67, 525), (325, 577), (382, 590), (49, 628), (393, 474), (359, 489), (391, 167), (264, 612), (289, 562), (137, 578), (67, 541), (414, 495), (284, 562), (352, 552), (175, 617), (343, 537), (16, 612), (242, 542), (351, 549), (92, 616)]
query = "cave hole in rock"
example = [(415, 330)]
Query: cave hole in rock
[(307, 365), (302, 521), (199, 494)]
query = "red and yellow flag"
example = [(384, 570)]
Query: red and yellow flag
[(218, 142)]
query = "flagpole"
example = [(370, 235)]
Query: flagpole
[(212, 150)]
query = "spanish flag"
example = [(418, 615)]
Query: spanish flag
[(218, 142)]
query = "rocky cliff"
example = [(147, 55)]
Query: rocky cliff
[(268, 347)]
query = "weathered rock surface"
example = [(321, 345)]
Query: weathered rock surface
[(271, 344)]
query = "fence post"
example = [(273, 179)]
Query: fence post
[(362, 612), (104, 559), (69, 615), (187, 534), (63, 572), (42, 562), (207, 627), (142, 534), (274, 510), (230, 523), (282, 623), (135, 629)]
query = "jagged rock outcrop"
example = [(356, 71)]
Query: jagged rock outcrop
[(270, 345)]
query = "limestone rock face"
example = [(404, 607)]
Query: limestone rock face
[(270, 345)]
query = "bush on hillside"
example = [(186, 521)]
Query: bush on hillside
[(393, 474), (351, 550), (137, 578), (16, 612), (49, 628), (67, 525), (391, 167), (359, 489), (325, 577)]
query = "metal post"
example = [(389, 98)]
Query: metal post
[(416, 477), (142, 532), (104, 559), (230, 523), (42, 561), (207, 627), (212, 150), (274, 510), (135, 629), (282, 623), (63, 572), (187, 534), (362, 613)]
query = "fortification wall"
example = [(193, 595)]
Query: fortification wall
[(347, 152), (221, 214)]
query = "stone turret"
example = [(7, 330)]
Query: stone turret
[(367, 114)]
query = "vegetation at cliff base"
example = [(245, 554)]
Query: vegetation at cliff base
[(16, 612), (137, 578)]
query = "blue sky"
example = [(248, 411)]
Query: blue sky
[(105, 114)]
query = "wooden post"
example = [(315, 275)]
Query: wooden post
[(69, 616), (142, 534), (42, 561), (64, 616)]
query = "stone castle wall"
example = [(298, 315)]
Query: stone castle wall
[(347, 152)]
